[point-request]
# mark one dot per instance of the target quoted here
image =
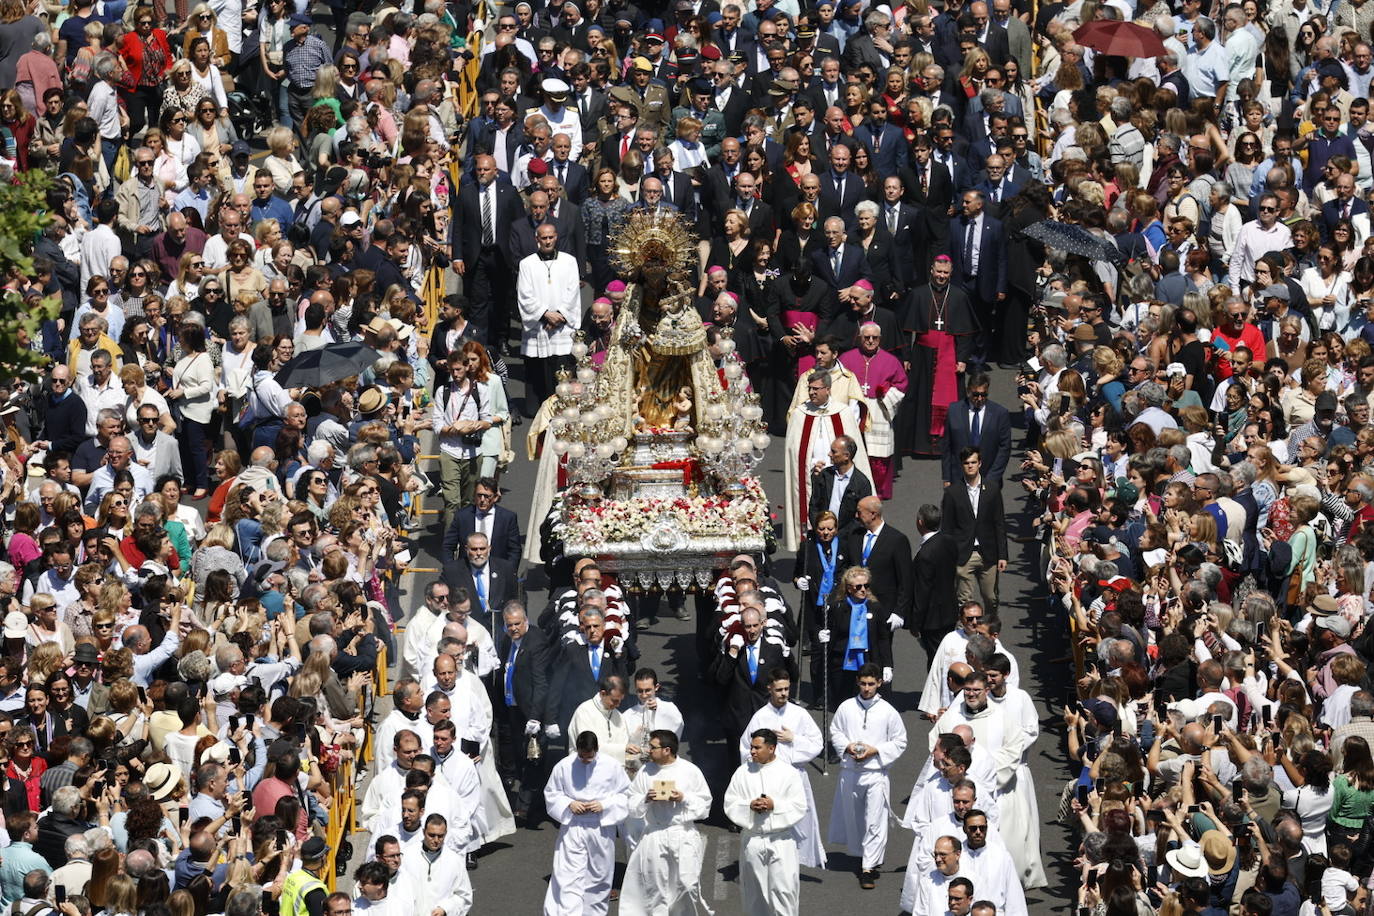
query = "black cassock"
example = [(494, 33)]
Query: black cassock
[(927, 333)]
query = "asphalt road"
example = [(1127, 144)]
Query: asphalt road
[(513, 872)]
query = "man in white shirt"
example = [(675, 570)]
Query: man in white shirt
[(1257, 238), (765, 800), (461, 412), (799, 741), (868, 734), (118, 457), (98, 386)]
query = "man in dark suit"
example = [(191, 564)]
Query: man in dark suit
[(840, 188), (945, 156), (904, 224), (998, 187), (871, 47), (886, 553), (592, 106), (887, 147), (990, 37), (932, 192), (839, 264), (571, 174), (1345, 205), (676, 186), (566, 217), (827, 86), (839, 487), (977, 248), (973, 515), (762, 221), (742, 668), (832, 136), (523, 689), (818, 44), (626, 118), (522, 243), (718, 187), (576, 668), (486, 211), (731, 101), (491, 581), (499, 524), (992, 424), (503, 128), (934, 582)]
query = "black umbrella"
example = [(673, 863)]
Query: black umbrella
[(1074, 240), (329, 363)]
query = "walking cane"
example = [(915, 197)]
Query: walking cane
[(804, 585), (825, 685)]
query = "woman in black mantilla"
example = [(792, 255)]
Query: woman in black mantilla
[(938, 330)]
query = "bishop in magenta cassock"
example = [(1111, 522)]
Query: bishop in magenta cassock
[(883, 381)]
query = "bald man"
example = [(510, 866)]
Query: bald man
[(487, 209)]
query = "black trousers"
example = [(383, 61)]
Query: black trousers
[(541, 376), (490, 288), (513, 760)]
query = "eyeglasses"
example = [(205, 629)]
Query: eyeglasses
[(103, 626), (97, 292), (859, 586), (147, 419), (1268, 209), (197, 263)]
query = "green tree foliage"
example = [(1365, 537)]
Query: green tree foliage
[(22, 218)]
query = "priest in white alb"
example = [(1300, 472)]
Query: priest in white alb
[(989, 865), (601, 716), (765, 799), (587, 795), (953, 649), (810, 431), (799, 741), (1020, 812), (868, 734), (667, 797)]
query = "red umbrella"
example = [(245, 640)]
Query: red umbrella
[(1119, 39)]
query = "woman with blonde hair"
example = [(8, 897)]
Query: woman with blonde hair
[(202, 23), (190, 271), (282, 162)]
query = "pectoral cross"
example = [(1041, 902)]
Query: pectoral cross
[(939, 324)]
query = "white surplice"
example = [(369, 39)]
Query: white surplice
[(994, 876), (467, 825), (805, 745), (438, 883), (663, 875), (859, 815), (607, 724), (769, 875), (926, 893), (1020, 811), (584, 858), (936, 694), (470, 710)]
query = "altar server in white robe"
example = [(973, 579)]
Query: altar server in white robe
[(925, 891), (799, 741), (379, 894), (765, 800), (407, 712), (989, 865), (437, 874), (937, 695), (384, 792), (586, 795), (471, 714), (1020, 812), (868, 734), (468, 822), (663, 876)]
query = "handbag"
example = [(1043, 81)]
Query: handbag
[(122, 166)]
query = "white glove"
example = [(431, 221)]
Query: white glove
[(735, 642), (551, 732), (531, 728), (804, 583), (823, 637), (887, 675), (895, 622)]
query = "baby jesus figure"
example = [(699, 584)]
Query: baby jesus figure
[(682, 409)]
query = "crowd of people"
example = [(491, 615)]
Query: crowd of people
[(1169, 248)]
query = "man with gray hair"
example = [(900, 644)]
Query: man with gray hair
[(810, 432), (1154, 415), (75, 873), (60, 823), (1209, 69), (1127, 143)]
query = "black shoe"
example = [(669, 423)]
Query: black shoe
[(868, 880), (831, 757), (472, 862)]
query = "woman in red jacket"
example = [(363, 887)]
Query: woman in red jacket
[(148, 57)]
